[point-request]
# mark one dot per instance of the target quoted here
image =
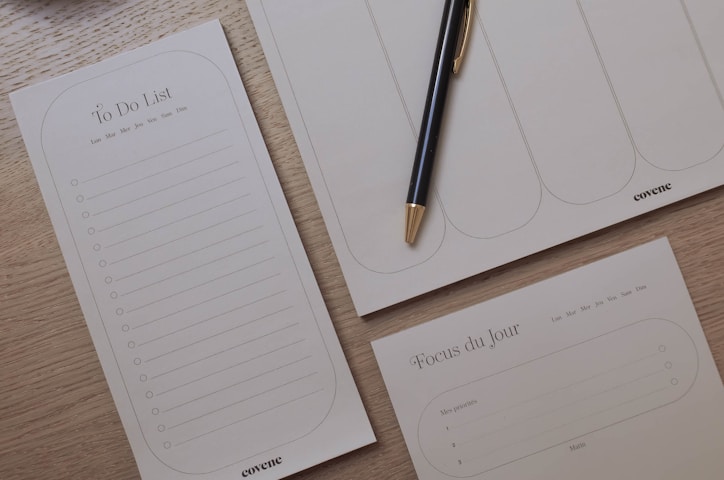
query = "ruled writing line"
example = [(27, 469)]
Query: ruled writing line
[(186, 236), (201, 340), (224, 351), (152, 156), (158, 173), (207, 301), (556, 390), (164, 189), (193, 252), (560, 407), (240, 382), (206, 210), (201, 285), (250, 416), (270, 352), (160, 337), (104, 229), (211, 412), (157, 282), (545, 432)]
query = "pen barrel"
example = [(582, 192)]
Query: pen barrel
[(435, 101)]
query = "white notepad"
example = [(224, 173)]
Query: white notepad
[(568, 116), (603, 372), (210, 328)]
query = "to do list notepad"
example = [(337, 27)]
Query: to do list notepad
[(210, 328)]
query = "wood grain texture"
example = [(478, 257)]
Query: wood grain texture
[(57, 418)]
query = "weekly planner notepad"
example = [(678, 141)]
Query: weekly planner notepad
[(568, 116), (210, 328), (601, 373)]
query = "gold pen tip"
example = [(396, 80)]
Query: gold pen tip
[(413, 218)]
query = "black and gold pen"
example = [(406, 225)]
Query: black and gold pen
[(456, 18)]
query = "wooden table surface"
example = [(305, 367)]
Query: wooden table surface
[(57, 418)]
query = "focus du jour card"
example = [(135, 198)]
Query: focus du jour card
[(603, 372)]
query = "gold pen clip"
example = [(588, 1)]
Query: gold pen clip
[(467, 23)]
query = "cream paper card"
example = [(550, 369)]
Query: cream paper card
[(210, 328), (599, 373), (568, 116)]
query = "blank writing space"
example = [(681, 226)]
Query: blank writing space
[(665, 86), (705, 17), (519, 430), (558, 397), (561, 96), (558, 391)]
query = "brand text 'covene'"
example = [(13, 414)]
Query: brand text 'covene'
[(262, 466), (652, 192)]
